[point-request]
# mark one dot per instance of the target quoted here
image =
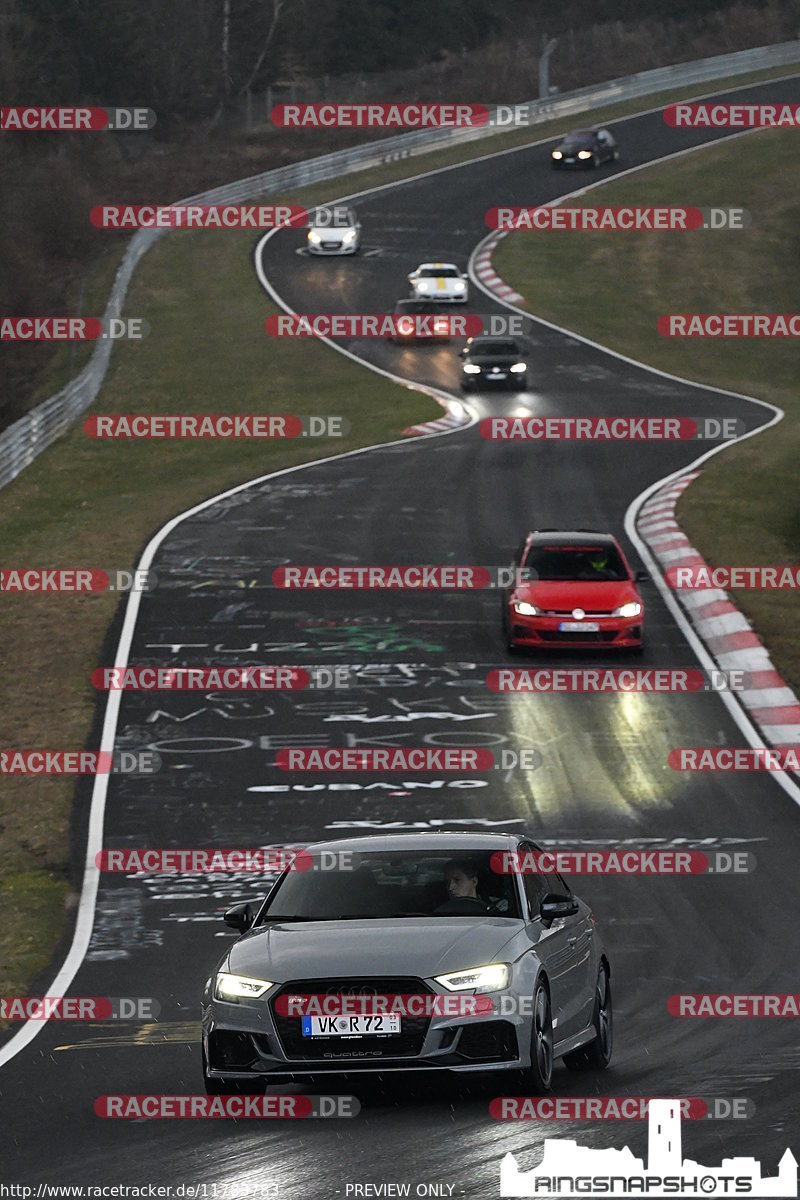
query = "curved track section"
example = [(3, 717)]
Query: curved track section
[(419, 664)]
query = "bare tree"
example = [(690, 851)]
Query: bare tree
[(278, 7)]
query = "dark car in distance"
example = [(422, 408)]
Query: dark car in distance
[(493, 362), (585, 148)]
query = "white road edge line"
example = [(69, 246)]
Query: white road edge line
[(86, 904)]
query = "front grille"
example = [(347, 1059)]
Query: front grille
[(561, 635), (406, 1044), (491, 1041), (567, 613)]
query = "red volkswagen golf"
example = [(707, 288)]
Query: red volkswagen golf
[(573, 589)]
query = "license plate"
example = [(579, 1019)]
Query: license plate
[(497, 374), (578, 626), (350, 1026)]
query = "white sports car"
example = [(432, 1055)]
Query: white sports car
[(439, 281), (333, 230)]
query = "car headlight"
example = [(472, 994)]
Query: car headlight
[(557, 154), (524, 609), (422, 285), (236, 987), (518, 368), (492, 978), (584, 154), (459, 285), (471, 369), (314, 237), (631, 609), (349, 236)]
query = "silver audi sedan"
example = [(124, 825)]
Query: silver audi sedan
[(409, 952)]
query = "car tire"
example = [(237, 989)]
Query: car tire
[(637, 651), (538, 1077), (615, 156), (595, 161), (597, 1055)]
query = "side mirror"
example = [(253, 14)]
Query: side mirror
[(553, 907), (641, 577), (412, 277), (240, 917)]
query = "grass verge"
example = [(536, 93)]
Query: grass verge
[(745, 508)]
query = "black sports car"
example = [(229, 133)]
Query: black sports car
[(585, 148), (491, 362)]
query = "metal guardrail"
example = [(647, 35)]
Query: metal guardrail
[(36, 430)]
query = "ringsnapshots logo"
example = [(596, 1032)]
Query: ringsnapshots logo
[(569, 1169)]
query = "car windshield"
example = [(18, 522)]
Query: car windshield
[(367, 885), (590, 564), (438, 273), (496, 347)]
